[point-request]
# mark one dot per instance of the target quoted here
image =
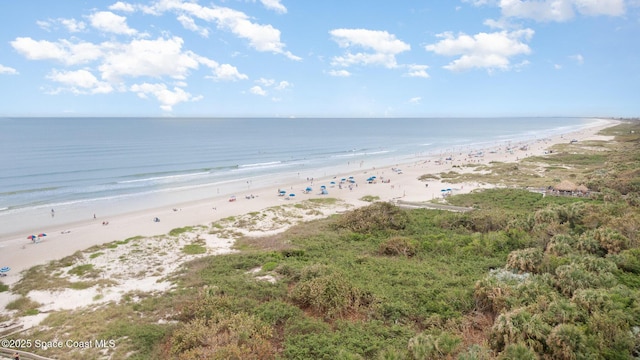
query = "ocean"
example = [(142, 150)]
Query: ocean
[(81, 166)]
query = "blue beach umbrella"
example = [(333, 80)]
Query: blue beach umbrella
[(292, 195), (5, 270), (308, 189)]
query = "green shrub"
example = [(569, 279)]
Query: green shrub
[(194, 249), (628, 260), (525, 260), (269, 266), (561, 244), (611, 240), (433, 346), (518, 351), (238, 336), (375, 217), (519, 326), (84, 270), (277, 312), (331, 295), (475, 352), (182, 230), (398, 245), (572, 277)]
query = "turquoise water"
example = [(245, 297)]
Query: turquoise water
[(94, 163)]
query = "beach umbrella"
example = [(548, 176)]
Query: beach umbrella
[(292, 195), (5, 269), (31, 237), (42, 235), (332, 183), (323, 187), (308, 189)]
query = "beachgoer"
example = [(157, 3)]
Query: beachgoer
[(16, 356), (53, 213), (94, 216)]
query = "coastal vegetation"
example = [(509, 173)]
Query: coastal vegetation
[(522, 276)]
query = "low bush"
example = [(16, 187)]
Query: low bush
[(525, 260), (330, 295), (375, 217), (398, 245)]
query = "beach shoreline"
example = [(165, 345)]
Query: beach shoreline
[(64, 239)]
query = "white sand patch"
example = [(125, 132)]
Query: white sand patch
[(70, 299)]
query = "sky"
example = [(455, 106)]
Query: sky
[(328, 58)]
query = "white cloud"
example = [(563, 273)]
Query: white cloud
[(167, 98), (154, 58), (339, 73), (73, 25), (577, 58), (274, 5), (80, 79), (266, 82), (63, 51), (227, 72), (385, 47), (117, 62), (282, 85), (264, 38), (109, 22), (122, 6), (415, 100), (257, 90), (483, 50), (189, 24), (417, 71), (560, 10), (481, 2), (7, 70)]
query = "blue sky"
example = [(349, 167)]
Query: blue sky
[(348, 58)]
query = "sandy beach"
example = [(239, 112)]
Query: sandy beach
[(392, 183)]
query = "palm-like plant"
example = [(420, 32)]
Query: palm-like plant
[(525, 260), (519, 326), (567, 342), (611, 241)]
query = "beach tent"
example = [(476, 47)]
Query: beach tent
[(4, 271)]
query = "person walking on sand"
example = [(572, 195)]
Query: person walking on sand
[(53, 213)]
